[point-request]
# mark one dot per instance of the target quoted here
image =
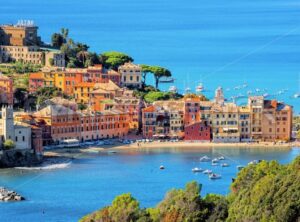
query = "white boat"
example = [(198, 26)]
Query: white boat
[(173, 89), (297, 95), (199, 88), (216, 160), (266, 95), (197, 170), (225, 165), (161, 167), (221, 158), (207, 171), (204, 159), (214, 176), (215, 164)]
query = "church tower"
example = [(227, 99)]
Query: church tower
[(8, 123), (219, 96)]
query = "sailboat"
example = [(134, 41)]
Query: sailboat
[(199, 88)]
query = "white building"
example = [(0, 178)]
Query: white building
[(131, 75), (18, 132)]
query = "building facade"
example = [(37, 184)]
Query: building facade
[(131, 75), (6, 90)]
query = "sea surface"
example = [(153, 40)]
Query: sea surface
[(92, 180), (219, 43)]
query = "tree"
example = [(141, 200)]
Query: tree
[(51, 61), (112, 60), (9, 144), (57, 40), (267, 191), (298, 135), (124, 208), (146, 69), (20, 94), (182, 205), (157, 71)]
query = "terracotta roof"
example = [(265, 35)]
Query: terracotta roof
[(54, 110), (110, 86), (85, 84), (37, 75), (130, 65), (149, 109)]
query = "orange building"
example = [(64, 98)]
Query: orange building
[(36, 81), (22, 34), (192, 110), (65, 123), (6, 90)]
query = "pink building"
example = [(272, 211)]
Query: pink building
[(198, 131)]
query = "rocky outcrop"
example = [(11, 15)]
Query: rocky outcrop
[(8, 195), (18, 158)]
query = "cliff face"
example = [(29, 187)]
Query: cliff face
[(18, 158)]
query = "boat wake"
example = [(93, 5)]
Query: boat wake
[(48, 166)]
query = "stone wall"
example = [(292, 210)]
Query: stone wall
[(18, 158)]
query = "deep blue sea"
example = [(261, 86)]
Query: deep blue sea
[(218, 43), (92, 181)]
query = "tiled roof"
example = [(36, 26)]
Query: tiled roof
[(149, 109), (54, 110), (130, 65)]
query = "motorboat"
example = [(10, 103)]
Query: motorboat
[(225, 165), (215, 160), (199, 88), (162, 167), (221, 158), (167, 80), (173, 89), (297, 95), (215, 164), (204, 159), (214, 176), (197, 170), (240, 167), (207, 172)]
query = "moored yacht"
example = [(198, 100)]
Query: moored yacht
[(197, 170), (214, 176)]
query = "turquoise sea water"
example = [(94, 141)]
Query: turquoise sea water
[(92, 181), (219, 43)]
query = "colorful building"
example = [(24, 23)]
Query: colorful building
[(6, 90), (131, 75), (199, 131)]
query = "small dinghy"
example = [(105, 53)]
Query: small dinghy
[(225, 165), (204, 159), (214, 176), (207, 172), (197, 170)]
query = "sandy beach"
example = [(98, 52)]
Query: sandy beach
[(72, 152)]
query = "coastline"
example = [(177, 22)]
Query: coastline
[(69, 152)]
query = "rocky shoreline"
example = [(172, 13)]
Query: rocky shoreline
[(9, 195)]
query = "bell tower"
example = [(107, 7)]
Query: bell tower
[(8, 123)]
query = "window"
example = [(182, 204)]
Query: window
[(23, 138)]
